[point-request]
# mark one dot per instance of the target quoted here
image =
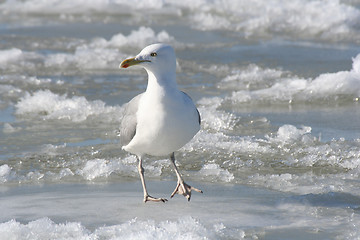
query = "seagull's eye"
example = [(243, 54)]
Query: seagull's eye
[(154, 54)]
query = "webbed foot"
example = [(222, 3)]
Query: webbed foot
[(184, 189), (152, 199)]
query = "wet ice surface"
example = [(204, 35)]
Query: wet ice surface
[(223, 211), (278, 156)]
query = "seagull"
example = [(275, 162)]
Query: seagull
[(160, 120)]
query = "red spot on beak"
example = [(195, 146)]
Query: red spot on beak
[(125, 66)]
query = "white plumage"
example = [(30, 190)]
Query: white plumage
[(162, 119)]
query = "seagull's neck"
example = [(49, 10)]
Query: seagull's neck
[(165, 83)]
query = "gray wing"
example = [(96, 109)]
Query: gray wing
[(194, 104), (129, 121)]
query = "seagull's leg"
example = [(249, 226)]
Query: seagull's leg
[(182, 188), (147, 197)]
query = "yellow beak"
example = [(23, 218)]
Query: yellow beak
[(131, 62)]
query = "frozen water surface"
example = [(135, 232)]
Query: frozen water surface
[(226, 211), (277, 85)]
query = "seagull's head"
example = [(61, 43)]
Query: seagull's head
[(156, 58)]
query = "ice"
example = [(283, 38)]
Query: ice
[(7, 128), (289, 133), (85, 57), (356, 65), (213, 170), (83, 169), (103, 168), (208, 21), (113, 211), (254, 160), (15, 59), (53, 150), (53, 106), (297, 19), (222, 156), (97, 53), (139, 38), (304, 19), (251, 77), (100, 53), (23, 80), (254, 85), (44, 228), (218, 143), (185, 228), (5, 172), (78, 6), (97, 169), (215, 119), (278, 153), (317, 159), (292, 89), (308, 183), (10, 55)]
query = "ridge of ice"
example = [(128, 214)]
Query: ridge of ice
[(54, 106), (102, 54), (45, 228), (297, 18), (292, 88)]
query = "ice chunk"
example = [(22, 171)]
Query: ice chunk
[(215, 119), (42, 228), (356, 65), (104, 168), (54, 106), (288, 133), (96, 168), (251, 77), (139, 38), (5, 173), (10, 55), (215, 172)]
